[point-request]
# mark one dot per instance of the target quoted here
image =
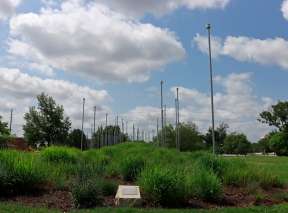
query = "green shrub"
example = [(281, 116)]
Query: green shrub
[(60, 154), (203, 184), (213, 163), (109, 187), (279, 144), (20, 173), (87, 194), (163, 186), (131, 168)]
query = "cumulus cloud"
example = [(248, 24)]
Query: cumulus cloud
[(93, 41), (236, 105), (7, 8), (19, 90), (161, 7), (245, 49), (284, 9)]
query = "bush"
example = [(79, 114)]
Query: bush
[(87, 194), (279, 144), (109, 187), (236, 144), (20, 173), (205, 185), (212, 163), (4, 140), (60, 154), (163, 186), (131, 167)]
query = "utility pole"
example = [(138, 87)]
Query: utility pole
[(165, 123), (157, 131), (94, 123), (162, 119), (133, 133), (82, 134), (106, 129), (208, 27), (122, 131), (178, 119), (11, 117), (176, 123)]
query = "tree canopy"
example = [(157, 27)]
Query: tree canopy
[(4, 127), (46, 123)]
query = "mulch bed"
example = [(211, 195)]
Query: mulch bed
[(233, 197)]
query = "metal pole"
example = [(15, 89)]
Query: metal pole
[(106, 130), (94, 124), (158, 141), (11, 117), (178, 119), (165, 124), (82, 134), (176, 123), (162, 116), (208, 27), (133, 133)]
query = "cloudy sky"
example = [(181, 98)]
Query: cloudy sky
[(115, 53)]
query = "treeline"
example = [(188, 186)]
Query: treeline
[(47, 125)]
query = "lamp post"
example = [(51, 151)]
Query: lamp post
[(208, 27)]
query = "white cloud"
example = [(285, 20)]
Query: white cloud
[(19, 90), (236, 106), (284, 9), (7, 8), (161, 7), (93, 41), (245, 49)]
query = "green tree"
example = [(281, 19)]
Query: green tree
[(235, 143), (46, 123), (220, 135), (264, 143), (74, 139), (279, 144), (276, 116), (4, 127)]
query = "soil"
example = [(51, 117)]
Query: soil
[(233, 197)]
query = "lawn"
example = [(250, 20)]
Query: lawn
[(69, 178)]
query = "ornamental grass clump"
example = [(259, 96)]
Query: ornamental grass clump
[(61, 154)]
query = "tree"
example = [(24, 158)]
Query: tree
[(236, 143), (279, 143), (264, 143), (4, 127), (46, 123), (74, 139), (277, 116), (220, 135)]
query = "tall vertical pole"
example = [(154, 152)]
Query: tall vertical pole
[(11, 118), (82, 128), (162, 116), (122, 131), (178, 119), (165, 124), (106, 129), (208, 27), (157, 131), (94, 123), (133, 133), (176, 124)]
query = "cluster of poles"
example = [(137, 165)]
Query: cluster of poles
[(119, 134)]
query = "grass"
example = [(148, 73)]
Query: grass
[(9, 207), (167, 178)]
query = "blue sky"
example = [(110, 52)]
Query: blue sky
[(250, 69)]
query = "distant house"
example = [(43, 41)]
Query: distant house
[(18, 144)]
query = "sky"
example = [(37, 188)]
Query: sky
[(114, 53)]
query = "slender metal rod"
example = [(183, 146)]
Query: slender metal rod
[(178, 120), (94, 123), (11, 118), (176, 124), (82, 128), (162, 116), (211, 86), (157, 129)]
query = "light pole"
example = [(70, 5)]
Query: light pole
[(208, 27), (82, 134), (162, 114)]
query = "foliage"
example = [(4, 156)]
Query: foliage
[(109, 187), (20, 173), (60, 154), (279, 143), (163, 186), (277, 116), (74, 139), (204, 184), (220, 135), (4, 127), (87, 194), (47, 123), (131, 167), (236, 144)]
